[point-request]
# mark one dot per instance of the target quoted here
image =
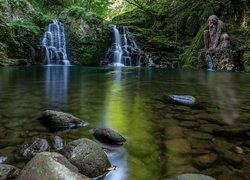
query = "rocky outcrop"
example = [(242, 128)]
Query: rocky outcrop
[(49, 165), (56, 120), (225, 60), (108, 135), (87, 156), (87, 36)]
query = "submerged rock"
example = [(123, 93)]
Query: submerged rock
[(56, 120), (232, 131), (50, 165), (8, 172), (206, 160), (183, 99), (87, 156), (108, 135), (36, 146), (193, 177)]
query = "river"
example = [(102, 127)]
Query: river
[(163, 139)]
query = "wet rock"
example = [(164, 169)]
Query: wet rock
[(108, 135), (222, 145), (3, 159), (232, 158), (182, 99), (197, 152), (176, 160), (189, 124), (178, 146), (56, 120), (201, 144), (184, 117), (57, 142), (212, 118), (8, 172), (201, 135), (50, 165), (36, 146), (208, 128), (193, 177), (232, 131), (205, 161), (87, 156), (173, 132), (238, 150)]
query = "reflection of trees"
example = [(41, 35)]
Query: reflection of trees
[(222, 91), (127, 113)]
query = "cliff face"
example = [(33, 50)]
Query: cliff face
[(174, 31)]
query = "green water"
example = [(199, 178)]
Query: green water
[(130, 101)]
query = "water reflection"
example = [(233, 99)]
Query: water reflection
[(56, 86), (221, 87)]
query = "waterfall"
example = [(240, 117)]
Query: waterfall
[(124, 51), (55, 44), (209, 63)]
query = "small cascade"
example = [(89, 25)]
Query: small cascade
[(124, 50), (55, 44), (209, 63)]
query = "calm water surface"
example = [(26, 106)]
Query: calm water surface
[(161, 141)]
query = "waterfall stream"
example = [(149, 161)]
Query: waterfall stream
[(55, 44), (209, 63), (124, 51)]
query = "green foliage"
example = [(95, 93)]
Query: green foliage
[(79, 12)]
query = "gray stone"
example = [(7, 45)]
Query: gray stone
[(193, 177), (56, 120), (108, 135), (36, 146), (87, 156), (8, 172), (178, 146), (50, 166), (205, 161)]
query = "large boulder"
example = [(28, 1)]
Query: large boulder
[(36, 146), (87, 156), (8, 172), (108, 136), (56, 120), (50, 166)]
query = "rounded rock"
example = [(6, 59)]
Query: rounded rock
[(87, 156), (36, 146), (57, 121), (108, 135), (50, 165)]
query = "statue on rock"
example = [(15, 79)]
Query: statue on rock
[(219, 47), (216, 37)]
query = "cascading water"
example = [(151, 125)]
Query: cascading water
[(209, 63), (124, 51), (55, 44)]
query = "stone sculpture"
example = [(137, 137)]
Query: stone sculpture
[(216, 37), (219, 47)]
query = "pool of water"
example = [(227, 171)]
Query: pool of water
[(163, 139)]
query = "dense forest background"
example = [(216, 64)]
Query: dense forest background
[(168, 30)]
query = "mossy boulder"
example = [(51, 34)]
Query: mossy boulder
[(87, 156)]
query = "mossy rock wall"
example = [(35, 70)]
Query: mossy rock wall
[(88, 38)]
